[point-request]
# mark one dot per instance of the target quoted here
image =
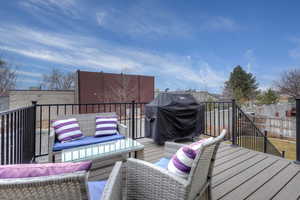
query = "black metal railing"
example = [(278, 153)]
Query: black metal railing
[(130, 114), (17, 139), (24, 132), (240, 127), (218, 115), (248, 135)]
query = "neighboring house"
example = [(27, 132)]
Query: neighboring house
[(21, 98), (283, 98), (4, 103), (281, 110), (278, 119)]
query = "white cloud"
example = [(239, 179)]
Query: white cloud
[(25, 83), (65, 7), (138, 21), (27, 73), (98, 55), (250, 58), (141, 21), (220, 23), (24, 34), (249, 54), (100, 18), (295, 53)]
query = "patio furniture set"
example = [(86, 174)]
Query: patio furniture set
[(93, 162)]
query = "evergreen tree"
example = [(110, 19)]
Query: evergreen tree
[(241, 85), (267, 97)]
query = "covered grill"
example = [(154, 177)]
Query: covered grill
[(173, 116)]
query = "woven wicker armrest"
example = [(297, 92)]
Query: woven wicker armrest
[(122, 129), (71, 186), (171, 148), (148, 181), (113, 187)]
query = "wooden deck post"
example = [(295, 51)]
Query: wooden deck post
[(297, 130)]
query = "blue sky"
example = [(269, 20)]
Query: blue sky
[(184, 44)]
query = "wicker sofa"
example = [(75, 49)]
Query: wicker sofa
[(71, 186), (87, 124)]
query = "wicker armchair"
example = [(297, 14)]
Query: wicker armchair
[(87, 124), (147, 181), (71, 186)]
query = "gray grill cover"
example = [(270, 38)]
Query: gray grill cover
[(173, 116)]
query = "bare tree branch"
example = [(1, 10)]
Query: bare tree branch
[(124, 90), (289, 83), (8, 78), (57, 80)]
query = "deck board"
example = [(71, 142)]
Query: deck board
[(227, 152), (229, 157), (234, 162), (272, 187), (229, 185), (246, 189), (291, 190), (222, 177), (245, 174)]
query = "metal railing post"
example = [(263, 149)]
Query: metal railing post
[(265, 141), (34, 103), (283, 154), (133, 119), (233, 128), (297, 130)]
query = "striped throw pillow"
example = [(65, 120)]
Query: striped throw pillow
[(67, 129), (181, 163), (106, 126)]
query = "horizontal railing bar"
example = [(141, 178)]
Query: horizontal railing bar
[(215, 102), (104, 103), (15, 110)]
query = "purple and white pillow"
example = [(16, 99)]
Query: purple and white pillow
[(106, 126), (181, 163), (67, 129), (45, 169)]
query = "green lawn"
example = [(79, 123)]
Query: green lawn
[(282, 145), (285, 145)]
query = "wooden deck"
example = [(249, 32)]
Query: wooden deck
[(245, 174)]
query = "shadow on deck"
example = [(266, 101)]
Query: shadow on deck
[(245, 174)]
